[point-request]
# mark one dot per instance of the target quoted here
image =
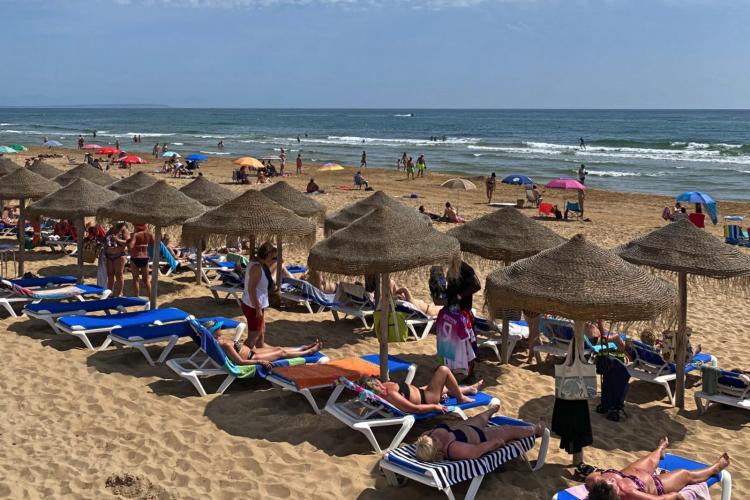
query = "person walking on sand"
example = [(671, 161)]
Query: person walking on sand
[(410, 169), (582, 173), (490, 185), (258, 284), (282, 162), (117, 144), (299, 163), (164, 148), (582, 144), (80, 141), (363, 161), (155, 151), (421, 166)]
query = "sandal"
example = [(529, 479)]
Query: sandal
[(582, 471)]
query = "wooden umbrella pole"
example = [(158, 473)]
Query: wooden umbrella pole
[(505, 335), (199, 263), (80, 229), (384, 306), (681, 341), (155, 267), (279, 261), (21, 235)]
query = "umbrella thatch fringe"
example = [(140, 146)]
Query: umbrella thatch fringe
[(452, 267), (218, 240), (735, 286), (172, 230)]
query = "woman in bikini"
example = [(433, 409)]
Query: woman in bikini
[(115, 249), (404, 294), (640, 481), (425, 399), (241, 354), (471, 438), (138, 245)]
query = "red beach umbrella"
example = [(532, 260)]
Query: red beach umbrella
[(109, 150), (132, 159)]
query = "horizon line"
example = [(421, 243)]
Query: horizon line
[(344, 108)]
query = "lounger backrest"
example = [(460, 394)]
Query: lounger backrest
[(736, 384), (412, 311), (572, 206), (558, 330), (178, 329), (650, 356), (369, 397), (213, 350), (353, 294)]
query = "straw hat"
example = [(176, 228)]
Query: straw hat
[(249, 214), (87, 172), (44, 169), (384, 241), (505, 234), (7, 166), (291, 199), (682, 247), (579, 280), (350, 213), (23, 183), (159, 204), (138, 180), (208, 193), (80, 198)]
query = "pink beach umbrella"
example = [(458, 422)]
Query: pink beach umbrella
[(565, 183), (91, 146)]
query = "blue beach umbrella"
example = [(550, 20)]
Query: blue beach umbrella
[(52, 144), (7, 150), (697, 197), (197, 157), (517, 179), (170, 154)]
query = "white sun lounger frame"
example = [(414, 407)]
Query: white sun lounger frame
[(51, 318)]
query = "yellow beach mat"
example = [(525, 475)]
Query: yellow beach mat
[(307, 376)]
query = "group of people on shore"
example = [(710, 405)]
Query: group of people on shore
[(406, 162)]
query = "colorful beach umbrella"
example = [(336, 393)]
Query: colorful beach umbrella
[(704, 199), (132, 159), (91, 146), (517, 179), (170, 154), (197, 157), (52, 144), (19, 147), (108, 150), (330, 167), (564, 183), (248, 161), (7, 150)]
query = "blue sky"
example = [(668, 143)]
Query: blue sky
[(377, 53)]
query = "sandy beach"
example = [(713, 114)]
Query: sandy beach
[(77, 423)]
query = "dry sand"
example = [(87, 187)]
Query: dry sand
[(77, 424)]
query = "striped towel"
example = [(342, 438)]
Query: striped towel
[(65, 292), (450, 472)]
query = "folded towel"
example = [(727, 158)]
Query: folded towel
[(306, 376)]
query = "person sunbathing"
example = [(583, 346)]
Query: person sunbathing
[(404, 294), (428, 398), (471, 438), (640, 481), (596, 332), (241, 354), (450, 214)]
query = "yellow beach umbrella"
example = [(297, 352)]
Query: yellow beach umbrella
[(248, 161), (330, 167)]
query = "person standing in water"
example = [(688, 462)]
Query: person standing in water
[(363, 162), (582, 144), (582, 173), (155, 151)]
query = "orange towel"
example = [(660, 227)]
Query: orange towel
[(306, 376)]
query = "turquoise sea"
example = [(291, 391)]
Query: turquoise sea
[(663, 152)]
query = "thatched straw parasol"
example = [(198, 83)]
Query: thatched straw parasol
[(208, 193), (22, 184), (682, 248), (291, 199), (7, 166), (160, 205), (44, 169), (382, 242), (505, 235), (76, 201), (251, 214), (350, 213), (138, 180), (87, 172)]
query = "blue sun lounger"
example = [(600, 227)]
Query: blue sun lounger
[(211, 360), (50, 311), (303, 292), (733, 389), (369, 410), (141, 336), (443, 475), (41, 282), (668, 463), (46, 290), (83, 326)]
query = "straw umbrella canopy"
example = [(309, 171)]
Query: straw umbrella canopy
[(291, 199), (76, 201), (7, 166), (376, 244), (350, 213), (208, 193), (138, 180), (44, 169), (22, 184), (682, 248), (158, 204), (505, 235), (86, 171), (255, 215)]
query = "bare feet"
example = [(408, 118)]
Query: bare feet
[(465, 399), (723, 462), (663, 444), (472, 389), (493, 409), (540, 427)]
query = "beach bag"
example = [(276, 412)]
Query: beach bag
[(397, 329), (710, 379), (574, 378), (91, 249)]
